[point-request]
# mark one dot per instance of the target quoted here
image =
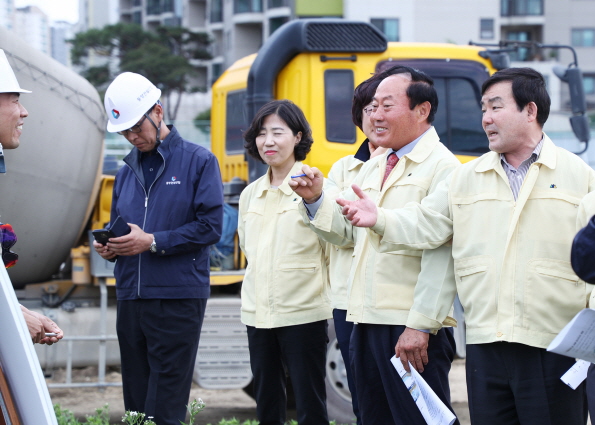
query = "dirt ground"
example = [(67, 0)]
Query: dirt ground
[(220, 403), (83, 401)]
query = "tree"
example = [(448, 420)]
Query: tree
[(165, 57)]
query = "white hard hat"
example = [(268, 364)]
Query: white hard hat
[(127, 99), (8, 81)]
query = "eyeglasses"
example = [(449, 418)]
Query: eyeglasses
[(368, 110), (8, 239), (135, 128)]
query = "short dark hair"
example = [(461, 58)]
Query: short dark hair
[(419, 91), (292, 115), (362, 97), (528, 86)]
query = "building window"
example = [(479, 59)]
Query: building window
[(153, 7), (216, 10), (277, 3), (168, 6), (389, 27), (523, 53), (583, 37), (338, 94), (486, 29), (589, 83), (275, 23), (136, 2), (137, 17), (521, 7), (247, 6)]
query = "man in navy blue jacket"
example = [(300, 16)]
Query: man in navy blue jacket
[(170, 194), (583, 247)]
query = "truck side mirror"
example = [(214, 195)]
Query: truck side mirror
[(574, 78), (579, 122), (580, 127)]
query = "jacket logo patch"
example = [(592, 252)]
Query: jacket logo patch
[(174, 180), (553, 186)]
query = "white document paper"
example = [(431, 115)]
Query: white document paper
[(576, 374), (577, 339), (431, 407)]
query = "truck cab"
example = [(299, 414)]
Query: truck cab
[(320, 78)]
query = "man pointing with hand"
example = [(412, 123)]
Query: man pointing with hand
[(382, 286)]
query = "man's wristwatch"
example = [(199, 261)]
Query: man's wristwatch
[(153, 247)]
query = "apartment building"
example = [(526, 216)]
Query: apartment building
[(61, 32), (240, 27), (33, 26), (97, 14), (7, 14)]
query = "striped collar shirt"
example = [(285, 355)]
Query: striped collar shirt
[(516, 176)]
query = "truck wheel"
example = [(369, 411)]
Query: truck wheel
[(338, 397)]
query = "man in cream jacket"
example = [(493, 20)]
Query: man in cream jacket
[(382, 285), (511, 215)]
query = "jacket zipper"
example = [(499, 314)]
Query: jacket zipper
[(145, 216)]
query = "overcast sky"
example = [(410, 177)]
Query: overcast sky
[(57, 10)]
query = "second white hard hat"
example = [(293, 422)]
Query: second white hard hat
[(8, 81), (127, 99)]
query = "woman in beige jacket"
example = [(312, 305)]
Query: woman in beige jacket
[(285, 300)]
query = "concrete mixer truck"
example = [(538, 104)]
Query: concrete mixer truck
[(54, 192)]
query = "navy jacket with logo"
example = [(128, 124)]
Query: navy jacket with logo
[(183, 209), (583, 253)]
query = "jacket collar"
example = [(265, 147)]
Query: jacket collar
[(264, 183), (424, 147), (491, 160), (164, 148), (363, 152)]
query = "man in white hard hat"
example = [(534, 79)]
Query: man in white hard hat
[(12, 114), (170, 194)]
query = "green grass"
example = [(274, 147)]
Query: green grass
[(101, 417)]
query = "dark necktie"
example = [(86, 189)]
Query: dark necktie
[(390, 164)]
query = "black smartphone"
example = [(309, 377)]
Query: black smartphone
[(102, 236), (118, 228)]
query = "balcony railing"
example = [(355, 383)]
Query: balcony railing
[(156, 7), (277, 3), (521, 7), (247, 6)]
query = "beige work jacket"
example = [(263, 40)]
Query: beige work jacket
[(286, 281), (339, 179), (512, 258), (382, 285)]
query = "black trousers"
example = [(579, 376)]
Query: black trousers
[(343, 330), (301, 349), (382, 396), (158, 344), (515, 384)]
